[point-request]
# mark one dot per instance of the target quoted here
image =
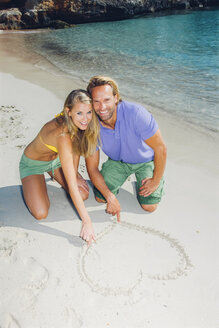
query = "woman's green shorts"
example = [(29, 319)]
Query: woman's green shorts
[(30, 167), (115, 174)]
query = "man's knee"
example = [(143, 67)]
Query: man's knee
[(99, 200), (149, 207)]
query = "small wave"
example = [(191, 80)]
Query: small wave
[(24, 31), (175, 72)]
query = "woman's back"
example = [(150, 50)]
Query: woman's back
[(44, 146)]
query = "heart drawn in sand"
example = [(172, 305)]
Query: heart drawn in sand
[(116, 265)]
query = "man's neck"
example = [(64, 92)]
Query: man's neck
[(110, 124)]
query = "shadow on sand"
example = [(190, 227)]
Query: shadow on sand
[(14, 213)]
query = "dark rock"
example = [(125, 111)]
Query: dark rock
[(30, 18), (11, 19), (5, 4), (34, 19), (59, 24), (183, 5), (64, 13)]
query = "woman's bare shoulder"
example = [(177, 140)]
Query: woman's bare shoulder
[(53, 130)]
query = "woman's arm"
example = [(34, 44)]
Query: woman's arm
[(64, 144), (92, 163), (82, 184)]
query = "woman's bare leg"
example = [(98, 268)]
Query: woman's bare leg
[(35, 195), (60, 178)]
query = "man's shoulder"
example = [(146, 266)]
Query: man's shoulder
[(128, 106), (132, 109)]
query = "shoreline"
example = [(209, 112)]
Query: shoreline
[(162, 262), (182, 137), (41, 64)]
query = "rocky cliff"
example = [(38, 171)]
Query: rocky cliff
[(26, 14)]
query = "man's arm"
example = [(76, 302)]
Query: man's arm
[(92, 163), (149, 185)]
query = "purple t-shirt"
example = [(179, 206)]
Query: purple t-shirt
[(125, 143)]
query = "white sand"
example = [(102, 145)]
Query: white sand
[(152, 270)]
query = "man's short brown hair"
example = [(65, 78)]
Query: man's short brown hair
[(99, 80)]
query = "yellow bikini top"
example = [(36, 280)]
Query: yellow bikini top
[(49, 146)]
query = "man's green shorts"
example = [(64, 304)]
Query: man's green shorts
[(115, 174)]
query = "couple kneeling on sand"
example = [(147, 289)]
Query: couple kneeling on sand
[(126, 132)]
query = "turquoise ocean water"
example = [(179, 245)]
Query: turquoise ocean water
[(168, 62)]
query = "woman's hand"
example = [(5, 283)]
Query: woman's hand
[(87, 232)]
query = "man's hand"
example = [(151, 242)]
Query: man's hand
[(148, 185), (113, 206)]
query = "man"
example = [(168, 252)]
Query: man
[(131, 139)]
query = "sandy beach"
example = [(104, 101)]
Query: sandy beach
[(149, 271)]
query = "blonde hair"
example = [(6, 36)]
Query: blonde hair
[(99, 80), (83, 142)]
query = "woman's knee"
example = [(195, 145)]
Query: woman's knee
[(40, 214), (84, 193), (149, 207)]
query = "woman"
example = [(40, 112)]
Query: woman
[(56, 150)]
